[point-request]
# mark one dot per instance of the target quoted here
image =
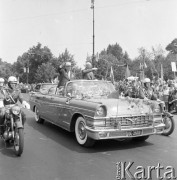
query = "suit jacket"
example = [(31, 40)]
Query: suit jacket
[(87, 74), (63, 77)]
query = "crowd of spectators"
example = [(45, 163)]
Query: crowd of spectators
[(161, 89)]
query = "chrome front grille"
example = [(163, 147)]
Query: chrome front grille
[(131, 122)]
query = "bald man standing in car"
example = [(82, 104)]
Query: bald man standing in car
[(87, 73)]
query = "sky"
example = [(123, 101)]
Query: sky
[(61, 24)]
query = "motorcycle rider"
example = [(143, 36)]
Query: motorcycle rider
[(147, 92), (1, 88), (11, 95)]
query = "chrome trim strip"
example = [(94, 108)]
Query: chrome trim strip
[(65, 106), (66, 123), (55, 124), (120, 116), (122, 130), (95, 134)]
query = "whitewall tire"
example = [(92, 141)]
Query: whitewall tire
[(37, 116), (81, 133)]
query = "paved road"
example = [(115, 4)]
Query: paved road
[(51, 153)]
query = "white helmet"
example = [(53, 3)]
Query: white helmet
[(1, 80), (12, 79), (147, 80)]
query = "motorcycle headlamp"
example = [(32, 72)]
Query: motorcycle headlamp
[(7, 111), (16, 110)]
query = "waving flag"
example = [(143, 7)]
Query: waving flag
[(92, 4), (161, 71), (145, 66), (127, 72)]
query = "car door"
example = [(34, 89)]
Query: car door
[(59, 111), (39, 100), (53, 106), (68, 106)]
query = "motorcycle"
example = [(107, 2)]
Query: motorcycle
[(172, 102), (13, 129), (168, 120), (173, 106)]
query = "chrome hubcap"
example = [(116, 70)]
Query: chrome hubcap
[(37, 114), (81, 130)]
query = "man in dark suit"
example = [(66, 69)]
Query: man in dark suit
[(64, 74)]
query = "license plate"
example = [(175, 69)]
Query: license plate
[(134, 133)]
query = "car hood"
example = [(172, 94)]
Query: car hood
[(126, 106)]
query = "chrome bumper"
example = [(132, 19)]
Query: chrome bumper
[(99, 134)]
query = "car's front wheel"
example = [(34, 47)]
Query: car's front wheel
[(37, 116), (81, 133)]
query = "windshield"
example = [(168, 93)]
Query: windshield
[(89, 89), (47, 86)]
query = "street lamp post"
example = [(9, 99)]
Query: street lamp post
[(26, 70), (93, 55)]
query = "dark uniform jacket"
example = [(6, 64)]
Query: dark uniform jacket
[(148, 93), (12, 96)]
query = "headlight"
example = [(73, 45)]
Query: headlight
[(7, 111), (96, 123), (16, 110), (100, 111)]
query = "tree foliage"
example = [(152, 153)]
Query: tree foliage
[(32, 59), (43, 65), (66, 57), (5, 69), (115, 57), (172, 47), (45, 73), (115, 50)]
